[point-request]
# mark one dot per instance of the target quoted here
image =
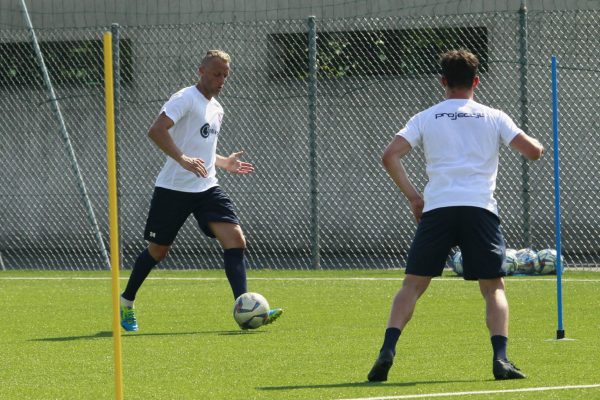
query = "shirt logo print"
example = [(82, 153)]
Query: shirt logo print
[(455, 116), (206, 131)]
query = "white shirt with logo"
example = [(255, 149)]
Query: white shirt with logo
[(461, 141), (196, 130)]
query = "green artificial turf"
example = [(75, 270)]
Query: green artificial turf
[(56, 340)]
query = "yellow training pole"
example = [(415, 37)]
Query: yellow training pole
[(112, 209)]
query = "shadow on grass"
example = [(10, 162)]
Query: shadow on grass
[(108, 334), (361, 384)]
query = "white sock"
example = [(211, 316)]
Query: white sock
[(126, 303)]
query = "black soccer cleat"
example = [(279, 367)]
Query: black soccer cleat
[(504, 369), (382, 365)]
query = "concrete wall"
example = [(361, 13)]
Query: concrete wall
[(86, 13)]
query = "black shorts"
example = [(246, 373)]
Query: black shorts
[(170, 208), (476, 231)]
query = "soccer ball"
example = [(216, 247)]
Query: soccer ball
[(510, 261), (527, 261), (457, 263), (250, 310), (547, 262)]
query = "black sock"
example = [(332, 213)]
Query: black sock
[(142, 267), (499, 344), (235, 269), (391, 338)]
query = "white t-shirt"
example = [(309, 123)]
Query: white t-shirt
[(461, 141), (196, 130)]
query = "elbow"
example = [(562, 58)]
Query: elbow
[(536, 153), (387, 160), (535, 157), (152, 133), (390, 159)]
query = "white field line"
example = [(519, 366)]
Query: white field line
[(480, 392), (307, 279)]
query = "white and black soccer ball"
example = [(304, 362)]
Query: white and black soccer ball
[(547, 262), (457, 263), (250, 310), (510, 261), (527, 261)]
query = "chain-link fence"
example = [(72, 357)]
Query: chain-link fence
[(319, 195)]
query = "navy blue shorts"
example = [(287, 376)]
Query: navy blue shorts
[(170, 208), (476, 231)]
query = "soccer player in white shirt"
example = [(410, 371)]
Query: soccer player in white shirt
[(461, 140), (187, 130)]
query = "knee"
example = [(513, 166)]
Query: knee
[(235, 241), (239, 238), (415, 286), (158, 252), (491, 287)]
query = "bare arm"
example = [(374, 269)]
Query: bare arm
[(233, 164), (529, 147), (392, 161), (159, 133)]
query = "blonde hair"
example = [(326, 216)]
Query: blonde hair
[(210, 54)]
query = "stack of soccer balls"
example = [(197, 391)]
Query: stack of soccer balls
[(529, 262), (518, 262)]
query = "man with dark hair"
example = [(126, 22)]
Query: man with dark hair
[(461, 140), (186, 130)]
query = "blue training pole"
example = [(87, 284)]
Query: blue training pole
[(560, 332)]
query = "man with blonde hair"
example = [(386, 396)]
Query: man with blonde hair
[(461, 140), (187, 130)]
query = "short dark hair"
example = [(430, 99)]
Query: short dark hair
[(459, 67)]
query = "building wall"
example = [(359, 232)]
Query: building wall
[(86, 13)]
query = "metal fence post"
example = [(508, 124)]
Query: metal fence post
[(65, 135), (312, 137), (524, 121)]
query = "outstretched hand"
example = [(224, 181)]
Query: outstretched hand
[(235, 166)]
